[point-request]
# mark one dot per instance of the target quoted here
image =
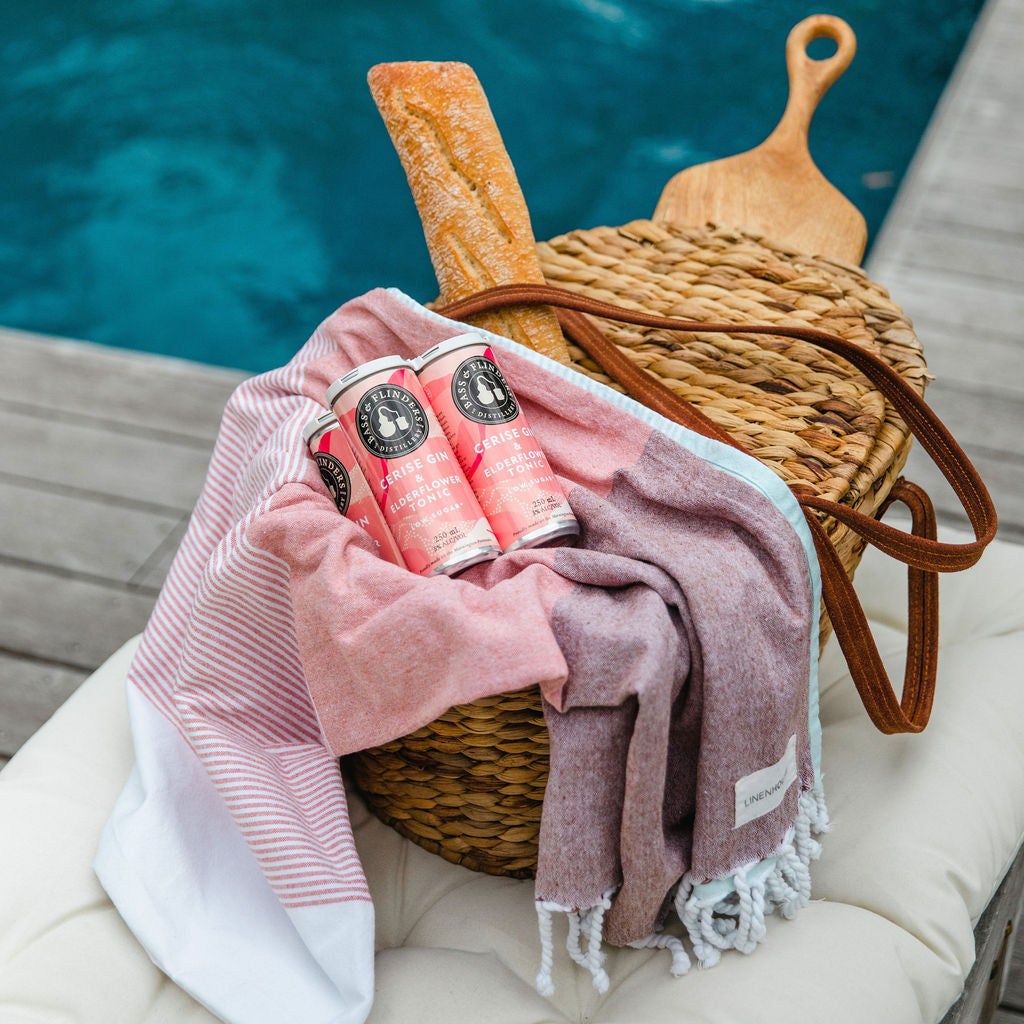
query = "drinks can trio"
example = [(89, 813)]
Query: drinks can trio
[(456, 471)]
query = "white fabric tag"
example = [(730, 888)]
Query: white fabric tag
[(762, 791)]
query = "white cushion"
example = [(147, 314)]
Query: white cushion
[(924, 827)]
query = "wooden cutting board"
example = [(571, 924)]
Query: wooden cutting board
[(776, 189)]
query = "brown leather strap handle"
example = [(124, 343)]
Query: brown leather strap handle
[(889, 714), (926, 427), (919, 549)]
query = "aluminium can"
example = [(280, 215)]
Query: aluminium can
[(421, 490), (496, 448), (346, 484)]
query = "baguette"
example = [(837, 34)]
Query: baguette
[(473, 212)]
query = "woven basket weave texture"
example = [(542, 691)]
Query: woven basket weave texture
[(470, 785)]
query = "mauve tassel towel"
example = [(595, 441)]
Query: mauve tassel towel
[(675, 647)]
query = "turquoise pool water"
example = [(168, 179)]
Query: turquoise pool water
[(210, 178)]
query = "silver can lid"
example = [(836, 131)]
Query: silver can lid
[(324, 422), (442, 348), (361, 372), (548, 534), (484, 553)]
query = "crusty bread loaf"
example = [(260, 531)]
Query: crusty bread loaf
[(474, 216)]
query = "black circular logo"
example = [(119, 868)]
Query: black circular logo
[(334, 475), (480, 392), (390, 421)]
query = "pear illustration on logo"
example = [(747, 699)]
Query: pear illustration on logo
[(384, 425), (484, 395)]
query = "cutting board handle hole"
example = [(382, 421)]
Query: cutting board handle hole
[(822, 48)]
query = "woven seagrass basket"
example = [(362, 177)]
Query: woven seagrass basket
[(469, 786)]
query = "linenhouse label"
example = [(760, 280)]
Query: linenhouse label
[(480, 392), (391, 422), (762, 791)]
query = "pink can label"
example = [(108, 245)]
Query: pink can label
[(517, 488), (348, 487), (413, 473)]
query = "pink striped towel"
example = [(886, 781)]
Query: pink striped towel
[(281, 641)]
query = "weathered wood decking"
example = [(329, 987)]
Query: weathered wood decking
[(103, 457), (105, 451)]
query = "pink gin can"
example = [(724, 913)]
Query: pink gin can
[(426, 501), (498, 452), (345, 481)]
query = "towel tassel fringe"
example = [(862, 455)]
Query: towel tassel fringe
[(714, 923)]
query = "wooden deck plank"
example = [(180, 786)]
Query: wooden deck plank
[(31, 692), (987, 209), (958, 300), (1013, 993), (984, 421), (79, 534), (1004, 1016), (987, 88), (64, 619), (974, 158), (963, 251), (136, 389), (960, 358), (152, 573), (96, 461)]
